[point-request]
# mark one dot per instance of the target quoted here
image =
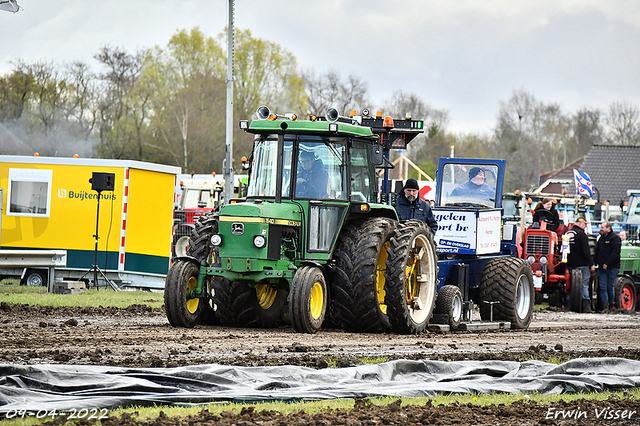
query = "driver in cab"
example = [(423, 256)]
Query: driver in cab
[(475, 187), (313, 179)]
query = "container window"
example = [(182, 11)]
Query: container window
[(29, 192)]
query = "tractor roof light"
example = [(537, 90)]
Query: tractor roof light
[(333, 127), (407, 116), (388, 122), (378, 114), (216, 240), (366, 112), (244, 124)]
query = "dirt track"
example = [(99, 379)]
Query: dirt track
[(141, 336)]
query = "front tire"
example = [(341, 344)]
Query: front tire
[(411, 278), (182, 312), (575, 297), (449, 302), (509, 281), (625, 293), (240, 305), (308, 299)]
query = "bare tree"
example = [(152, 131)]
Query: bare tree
[(328, 91), (622, 124)]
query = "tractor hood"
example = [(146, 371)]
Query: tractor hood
[(262, 212)]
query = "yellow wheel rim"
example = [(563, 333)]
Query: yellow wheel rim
[(420, 278), (266, 295), (317, 300), (192, 304), (410, 284), (382, 267)]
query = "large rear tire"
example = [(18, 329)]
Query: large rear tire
[(308, 299), (625, 292), (182, 312), (359, 279), (449, 302), (200, 241), (240, 305), (411, 278), (575, 297), (507, 280)]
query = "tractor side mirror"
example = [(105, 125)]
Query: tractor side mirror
[(376, 155)]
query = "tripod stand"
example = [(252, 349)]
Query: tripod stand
[(95, 268)]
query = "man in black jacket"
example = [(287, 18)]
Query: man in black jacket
[(608, 261), (409, 205), (580, 258)]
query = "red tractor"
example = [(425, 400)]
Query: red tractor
[(546, 252)]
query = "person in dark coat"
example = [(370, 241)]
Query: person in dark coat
[(580, 258), (313, 179), (409, 205), (545, 211), (475, 188), (608, 261)]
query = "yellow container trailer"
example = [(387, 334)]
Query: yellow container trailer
[(49, 207)]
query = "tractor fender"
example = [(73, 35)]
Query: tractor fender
[(312, 263), (188, 259)]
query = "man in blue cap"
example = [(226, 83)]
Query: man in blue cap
[(409, 205)]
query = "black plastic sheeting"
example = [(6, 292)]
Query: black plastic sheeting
[(67, 387)]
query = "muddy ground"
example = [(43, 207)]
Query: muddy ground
[(141, 336)]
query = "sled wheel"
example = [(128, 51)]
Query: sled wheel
[(359, 278), (625, 294), (575, 297), (509, 281), (308, 299), (182, 312), (240, 305), (449, 302), (411, 278)]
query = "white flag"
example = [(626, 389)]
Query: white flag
[(9, 5)]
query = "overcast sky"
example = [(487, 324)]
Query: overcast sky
[(462, 56)]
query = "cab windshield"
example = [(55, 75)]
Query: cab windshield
[(315, 170), (469, 185)]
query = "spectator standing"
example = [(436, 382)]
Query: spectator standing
[(608, 261), (409, 205), (580, 258)]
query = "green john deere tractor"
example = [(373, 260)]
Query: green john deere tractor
[(315, 240)]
